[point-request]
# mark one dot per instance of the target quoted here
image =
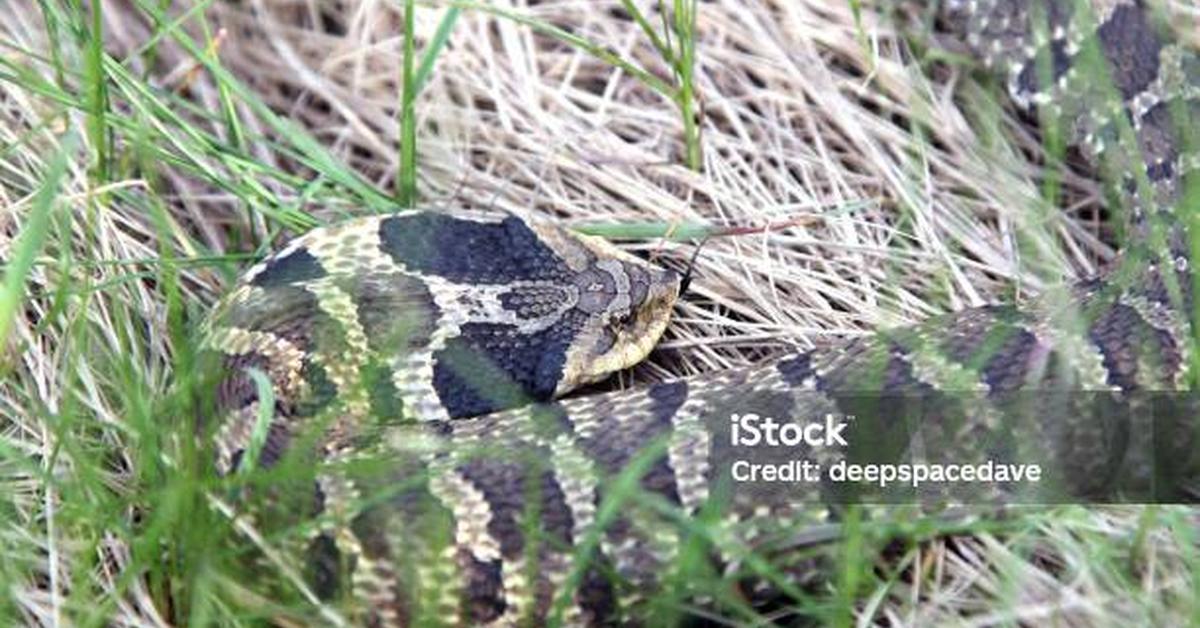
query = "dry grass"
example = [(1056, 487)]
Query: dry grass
[(801, 119), (923, 196)]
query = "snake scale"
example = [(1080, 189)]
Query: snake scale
[(415, 337)]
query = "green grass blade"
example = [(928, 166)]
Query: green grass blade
[(262, 421), (32, 238), (685, 28), (440, 37), (648, 29), (97, 97), (406, 192), (674, 231)]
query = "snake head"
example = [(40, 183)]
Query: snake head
[(624, 304), (628, 304)]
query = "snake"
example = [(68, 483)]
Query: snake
[(419, 365)]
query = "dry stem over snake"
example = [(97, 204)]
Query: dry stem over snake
[(402, 339)]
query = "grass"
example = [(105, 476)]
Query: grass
[(139, 170), (407, 196)]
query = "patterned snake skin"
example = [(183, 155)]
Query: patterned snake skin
[(523, 514)]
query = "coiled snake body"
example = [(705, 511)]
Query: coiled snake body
[(382, 335)]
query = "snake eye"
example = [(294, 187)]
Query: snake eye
[(622, 320)]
